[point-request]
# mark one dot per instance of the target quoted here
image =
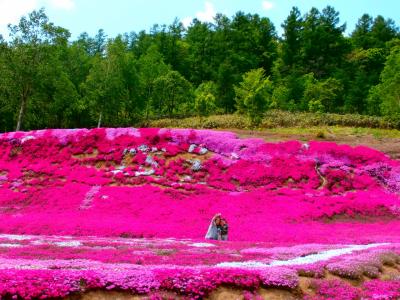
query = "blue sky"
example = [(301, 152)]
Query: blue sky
[(119, 16)]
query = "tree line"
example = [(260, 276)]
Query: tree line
[(236, 64)]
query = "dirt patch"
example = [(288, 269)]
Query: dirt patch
[(353, 282), (390, 146), (103, 295), (83, 156), (222, 293), (276, 294), (189, 156), (226, 294), (389, 272), (305, 285), (305, 288), (113, 295), (382, 217)]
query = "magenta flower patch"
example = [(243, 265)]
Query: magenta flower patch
[(127, 209)]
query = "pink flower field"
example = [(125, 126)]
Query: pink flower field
[(126, 210)]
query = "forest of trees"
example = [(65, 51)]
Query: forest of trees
[(237, 64)]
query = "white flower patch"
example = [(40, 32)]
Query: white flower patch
[(104, 247), (27, 138), (68, 244), (144, 173), (308, 259), (305, 146), (202, 245), (186, 178), (244, 264), (324, 255), (116, 171), (234, 155), (39, 242), (16, 237), (10, 245), (87, 201)]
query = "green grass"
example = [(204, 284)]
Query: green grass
[(292, 123), (377, 133)]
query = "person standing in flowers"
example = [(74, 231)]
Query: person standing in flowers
[(218, 229), (212, 232), (223, 230)]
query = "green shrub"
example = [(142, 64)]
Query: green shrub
[(278, 118)]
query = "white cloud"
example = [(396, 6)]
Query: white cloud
[(12, 10), (267, 5), (62, 4), (205, 16), (186, 21), (208, 14)]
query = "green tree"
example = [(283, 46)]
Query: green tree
[(323, 45), (373, 33), (253, 94), (280, 97), (361, 36), (321, 96), (244, 43), (387, 93), (31, 44), (172, 93), (314, 44), (382, 31), (150, 66), (46, 80), (205, 99), (7, 105), (201, 58), (108, 86), (363, 70), (291, 43), (66, 102)]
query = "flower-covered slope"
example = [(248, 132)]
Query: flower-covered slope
[(127, 209), (169, 183)]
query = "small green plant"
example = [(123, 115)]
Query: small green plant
[(315, 106), (320, 135)]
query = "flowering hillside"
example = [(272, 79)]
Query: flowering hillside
[(169, 183), (139, 201)]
